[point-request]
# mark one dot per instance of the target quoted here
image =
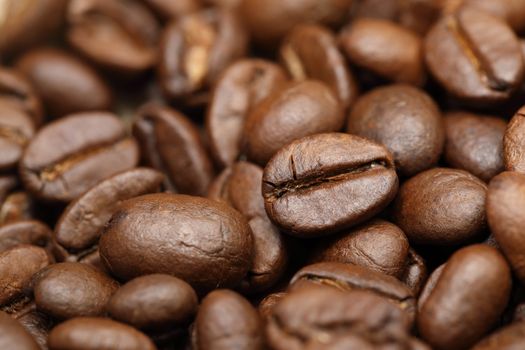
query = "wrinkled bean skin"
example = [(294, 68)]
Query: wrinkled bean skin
[(240, 330), (327, 182), (514, 143), (65, 83), (240, 88), (13, 336), (204, 242), (70, 155), (171, 144), (466, 299), (505, 203), (441, 206), (91, 333), (68, 290), (405, 120), (154, 302), (475, 143)]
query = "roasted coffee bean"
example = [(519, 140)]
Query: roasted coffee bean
[(204, 242), (327, 182), (475, 143), (35, 322), (404, 119), (17, 206), (65, 83), (72, 154), (311, 52), (240, 187), (508, 338), (385, 49), (266, 305), (13, 336), (467, 298), (92, 333), (441, 206), (240, 330), (196, 49), (17, 267), (348, 277), (505, 205), (67, 290), (154, 302), (25, 232), (7, 184), (475, 56), (26, 23), (125, 26), (16, 90), (330, 319), (268, 21), (16, 129), (514, 143), (171, 143), (297, 110), (167, 9), (416, 272), (242, 86)]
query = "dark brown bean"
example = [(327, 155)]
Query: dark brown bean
[(441, 206), (91, 333), (404, 119), (240, 330), (16, 89), (242, 86), (386, 49), (204, 242), (327, 182), (475, 56), (125, 26), (17, 206), (299, 109), (196, 49), (507, 338), (311, 52), (171, 143), (36, 323), (505, 205), (65, 83), (68, 290), (16, 129), (266, 305), (475, 143), (416, 273), (466, 300), (168, 9), (154, 302), (13, 336), (72, 154), (25, 232), (514, 143)]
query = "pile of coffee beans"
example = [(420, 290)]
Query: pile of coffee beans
[(262, 174)]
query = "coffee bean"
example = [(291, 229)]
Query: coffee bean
[(268, 21), (92, 333), (266, 305), (505, 204), (330, 319), (68, 290), (514, 143), (348, 277), (311, 52), (240, 330), (404, 119), (35, 323), (167, 9), (17, 267), (16, 129), (241, 87), (475, 56), (72, 154), (327, 182), (25, 232), (120, 36), (171, 143), (508, 338), (415, 274), (203, 242), (196, 49), (475, 143), (240, 187), (386, 49), (441, 206), (154, 302), (65, 83), (16, 90), (467, 298), (13, 335), (17, 206)]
